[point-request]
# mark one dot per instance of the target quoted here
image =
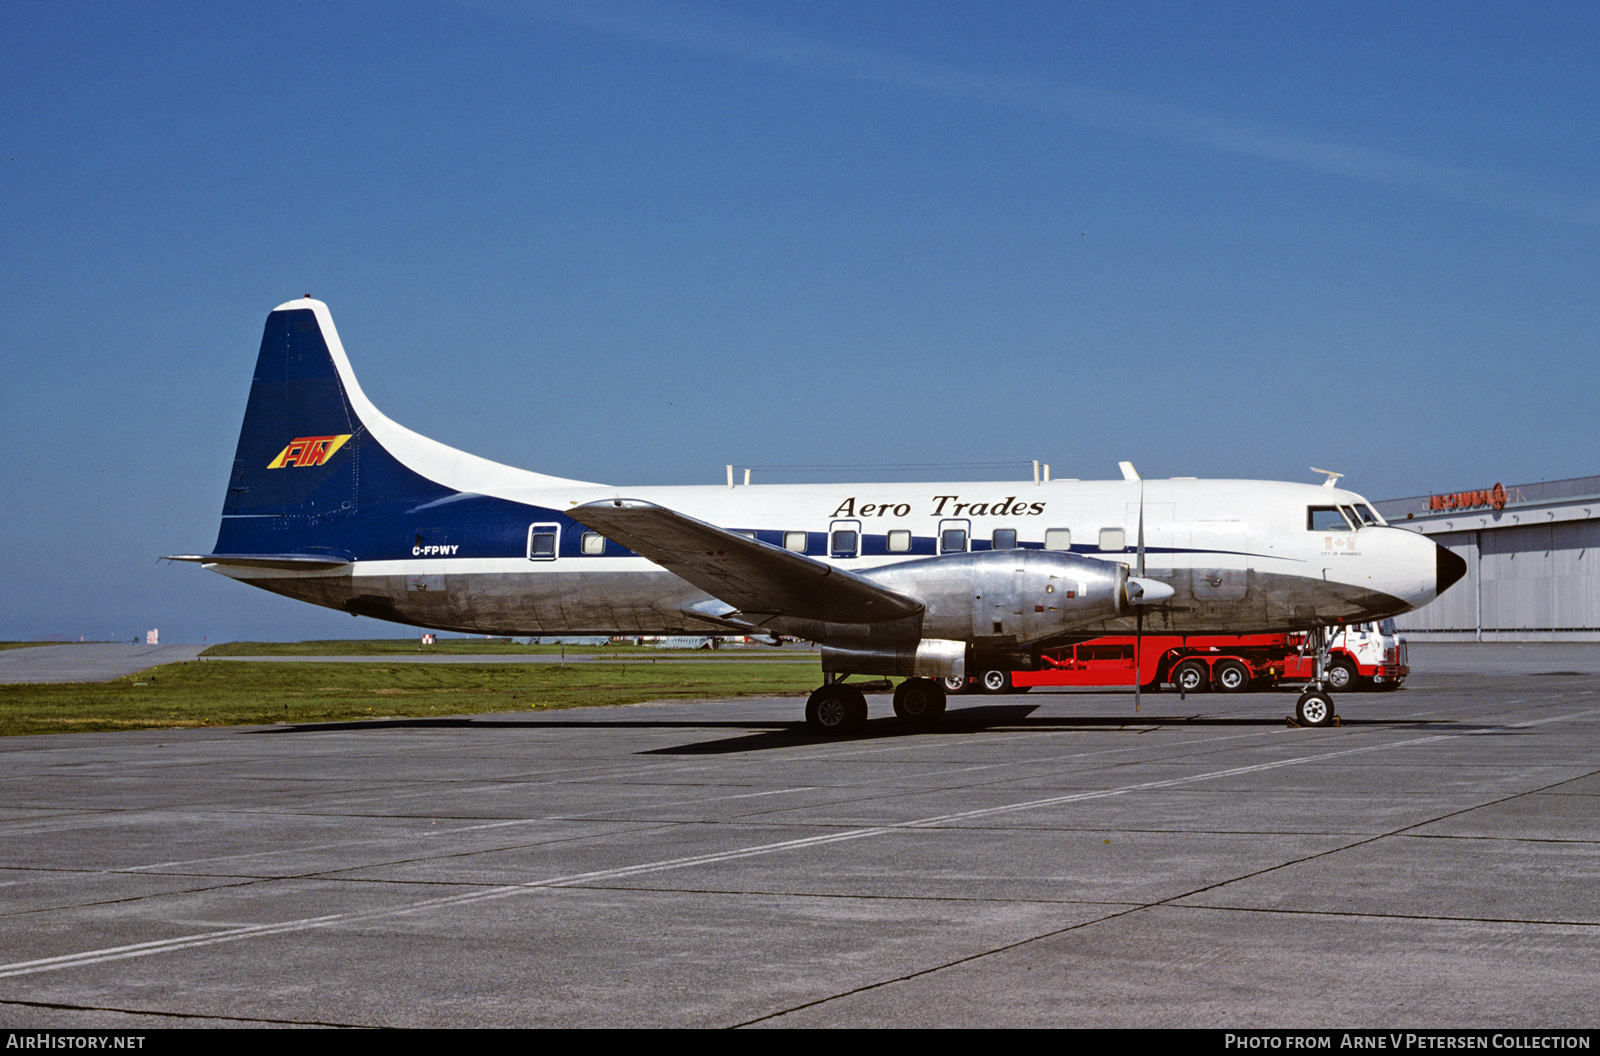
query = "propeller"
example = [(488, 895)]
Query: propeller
[(1141, 592), (1138, 612)]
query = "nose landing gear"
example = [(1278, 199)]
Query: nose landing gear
[(1315, 706)]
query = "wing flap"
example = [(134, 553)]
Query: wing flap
[(752, 576)]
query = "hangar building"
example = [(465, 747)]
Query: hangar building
[(1533, 562)]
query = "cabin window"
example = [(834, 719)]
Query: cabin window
[(542, 539), (747, 534), (794, 542), (845, 542), (1058, 539), (953, 535), (899, 541), (593, 543), (1326, 519), (1113, 539), (1003, 539)]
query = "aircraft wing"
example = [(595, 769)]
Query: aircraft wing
[(752, 576)]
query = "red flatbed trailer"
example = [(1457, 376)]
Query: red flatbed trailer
[(1230, 662), (1227, 663)]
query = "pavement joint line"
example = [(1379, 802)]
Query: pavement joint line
[(91, 957), (165, 1014), (1375, 837), (1171, 902), (1361, 914), (934, 968)]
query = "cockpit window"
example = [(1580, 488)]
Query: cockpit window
[(1366, 514), (1326, 519)]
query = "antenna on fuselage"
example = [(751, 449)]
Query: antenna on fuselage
[(1332, 476)]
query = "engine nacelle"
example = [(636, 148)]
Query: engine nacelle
[(927, 658), (997, 598)]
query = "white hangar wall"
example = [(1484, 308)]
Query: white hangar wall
[(1533, 564)]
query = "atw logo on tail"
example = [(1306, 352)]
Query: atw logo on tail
[(308, 451)]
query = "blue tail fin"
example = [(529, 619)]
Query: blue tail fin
[(322, 477), (307, 463)]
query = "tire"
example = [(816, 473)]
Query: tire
[(919, 702), (836, 710), (995, 681), (952, 684), (1191, 676), (1230, 676), (1314, 708), (1341, 675)]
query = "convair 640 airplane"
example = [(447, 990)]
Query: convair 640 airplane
[(332, 503)]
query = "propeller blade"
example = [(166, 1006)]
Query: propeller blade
[(1142, 586)]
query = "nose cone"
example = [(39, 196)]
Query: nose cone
[(1448, 568)]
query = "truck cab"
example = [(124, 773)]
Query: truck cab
[(1363, 655)]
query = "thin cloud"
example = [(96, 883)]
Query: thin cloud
[(733, 36)]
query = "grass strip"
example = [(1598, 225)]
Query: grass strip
[(235, 693)]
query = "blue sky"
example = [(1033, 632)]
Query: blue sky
[(633, 242)]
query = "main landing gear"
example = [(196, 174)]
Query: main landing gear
[(839, 709), (836, 710), (1315, 706)]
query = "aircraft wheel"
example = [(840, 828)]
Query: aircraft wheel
[(952, 684), (995, 681), (1231, 676), (1341, 675), (1314, 708), (1191, 676), (919, 701), (836, 710)]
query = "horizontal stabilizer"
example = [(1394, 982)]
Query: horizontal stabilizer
[(292, 562), (752, 576)]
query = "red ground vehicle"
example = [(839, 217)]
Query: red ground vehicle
[(1370, 654)]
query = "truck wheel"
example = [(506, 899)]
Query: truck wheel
[(952, 684), (1341, 675), (1191, 676), (1314, 708), (995, 681), (1230, 676)]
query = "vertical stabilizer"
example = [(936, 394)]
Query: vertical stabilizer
[(314, 452)]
